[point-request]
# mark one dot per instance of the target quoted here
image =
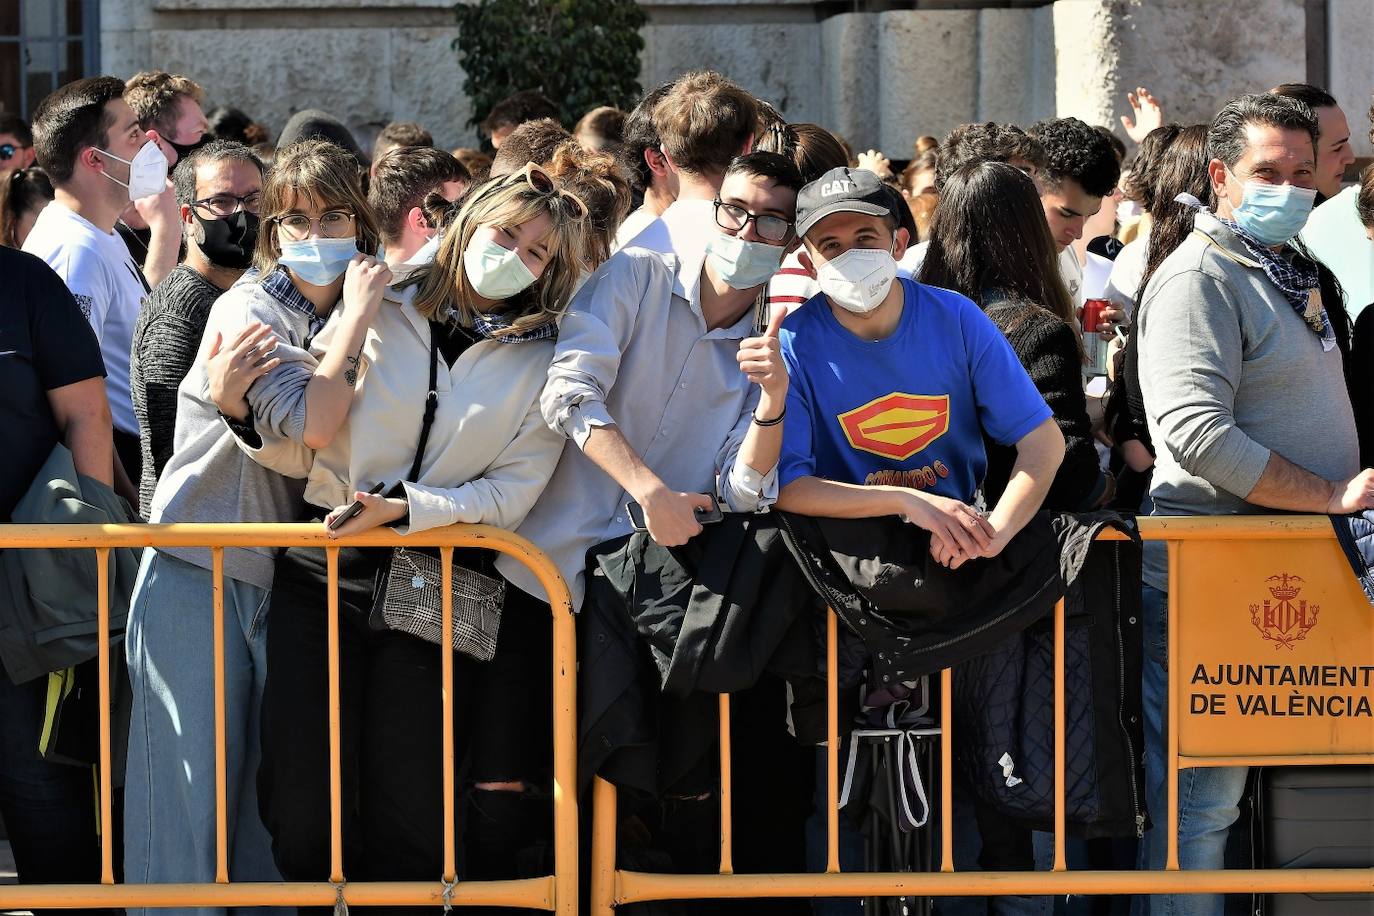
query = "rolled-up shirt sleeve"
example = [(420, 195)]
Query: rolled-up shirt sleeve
[(1191, 354), (591, 339), (743, 488)]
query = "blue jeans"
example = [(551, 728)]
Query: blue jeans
[(1208, 797), (169, 815)]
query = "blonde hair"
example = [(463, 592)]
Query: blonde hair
[(505, 203), (320, 172)]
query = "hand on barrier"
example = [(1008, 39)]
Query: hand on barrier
[(957, 531), (377, 510), (231, 371), (1353, 495)]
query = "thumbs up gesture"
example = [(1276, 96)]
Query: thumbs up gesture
[(760, 359)]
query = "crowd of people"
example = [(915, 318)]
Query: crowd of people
[(692, 307)]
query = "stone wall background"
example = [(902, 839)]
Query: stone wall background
[(879, 78)]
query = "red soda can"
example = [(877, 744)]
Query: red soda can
[(1092, 314)]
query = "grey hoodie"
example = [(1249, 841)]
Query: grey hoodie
[(210, 477)]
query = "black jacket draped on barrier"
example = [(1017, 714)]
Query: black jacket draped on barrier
[(663, 629)]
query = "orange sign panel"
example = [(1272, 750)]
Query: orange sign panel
[(897, 425), (1275, 651)]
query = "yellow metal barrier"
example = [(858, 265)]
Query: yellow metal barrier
[(1215, 563), (556, 892)]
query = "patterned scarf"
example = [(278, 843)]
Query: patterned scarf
[(1298, 281), (494, 326)]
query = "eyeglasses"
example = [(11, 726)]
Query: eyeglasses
[(769, 228), (229, 204), (7, 151), (332, 224)]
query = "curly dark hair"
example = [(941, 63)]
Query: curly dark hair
[(987, 142), (1074, 149)]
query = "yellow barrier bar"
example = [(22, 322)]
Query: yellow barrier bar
[(1296, 760), (564, 718), (221, 729), (336, 874), (446, 765), (637, 887), (832, 743), (604, 873), (523, 892), (1060, 788), (727, 865), (107, 827), (947, 770), (1171, 706)]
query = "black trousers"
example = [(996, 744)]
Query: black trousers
[(390, 734)]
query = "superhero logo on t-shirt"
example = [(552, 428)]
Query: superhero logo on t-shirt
[(897, 425)]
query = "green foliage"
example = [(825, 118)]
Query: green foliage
[(578, 53)]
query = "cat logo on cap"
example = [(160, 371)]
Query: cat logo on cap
[(897, 425)]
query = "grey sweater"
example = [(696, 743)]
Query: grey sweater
[(1231, 373), (210, 477)]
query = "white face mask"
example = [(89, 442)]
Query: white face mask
[(495, 273), (859, 279), (147, 171)]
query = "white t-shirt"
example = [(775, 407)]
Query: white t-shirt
[(1072, 272), (1336, 236), (1127, 271), (108, 286)]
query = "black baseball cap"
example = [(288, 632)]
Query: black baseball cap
[(844, 190)]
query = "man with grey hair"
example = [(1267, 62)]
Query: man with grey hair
[(218, 187), (1245, 397)]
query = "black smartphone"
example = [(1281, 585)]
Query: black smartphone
[(704, 516), (354, 509)]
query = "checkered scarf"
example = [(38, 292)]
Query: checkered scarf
[(1298, 281), (496, 327)]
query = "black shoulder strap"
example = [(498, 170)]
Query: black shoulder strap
[(431, 402)]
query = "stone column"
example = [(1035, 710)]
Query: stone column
[(1350, 54), (1192, 55)]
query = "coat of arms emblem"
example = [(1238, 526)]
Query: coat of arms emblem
[(1283, 619)]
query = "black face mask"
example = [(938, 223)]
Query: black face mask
[(185, 149), (229, 242)]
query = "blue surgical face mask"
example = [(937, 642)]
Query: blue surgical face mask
[(1274, 213), (495, 272), (742, 264), (318, 262)]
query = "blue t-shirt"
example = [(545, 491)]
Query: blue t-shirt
[(910, 410)]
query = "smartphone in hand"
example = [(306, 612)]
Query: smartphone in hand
[(704, 516), (353, 510)]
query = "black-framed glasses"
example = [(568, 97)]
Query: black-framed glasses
[(7, 151), (229, 204), (770, 228), (333, 224)]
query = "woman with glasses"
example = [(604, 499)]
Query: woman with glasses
[(445, 428), (315, 223)]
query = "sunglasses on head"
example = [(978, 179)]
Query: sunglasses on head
[(542, 182)]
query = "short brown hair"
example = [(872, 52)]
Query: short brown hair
[(516, 109), (1364, 203), (322, 172), (704, 122), (533, 141), (404, 177), (155, 95), (601, 128), (601, 181), (475, 161), (400, 133)]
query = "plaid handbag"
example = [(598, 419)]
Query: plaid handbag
[(408, 596)]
